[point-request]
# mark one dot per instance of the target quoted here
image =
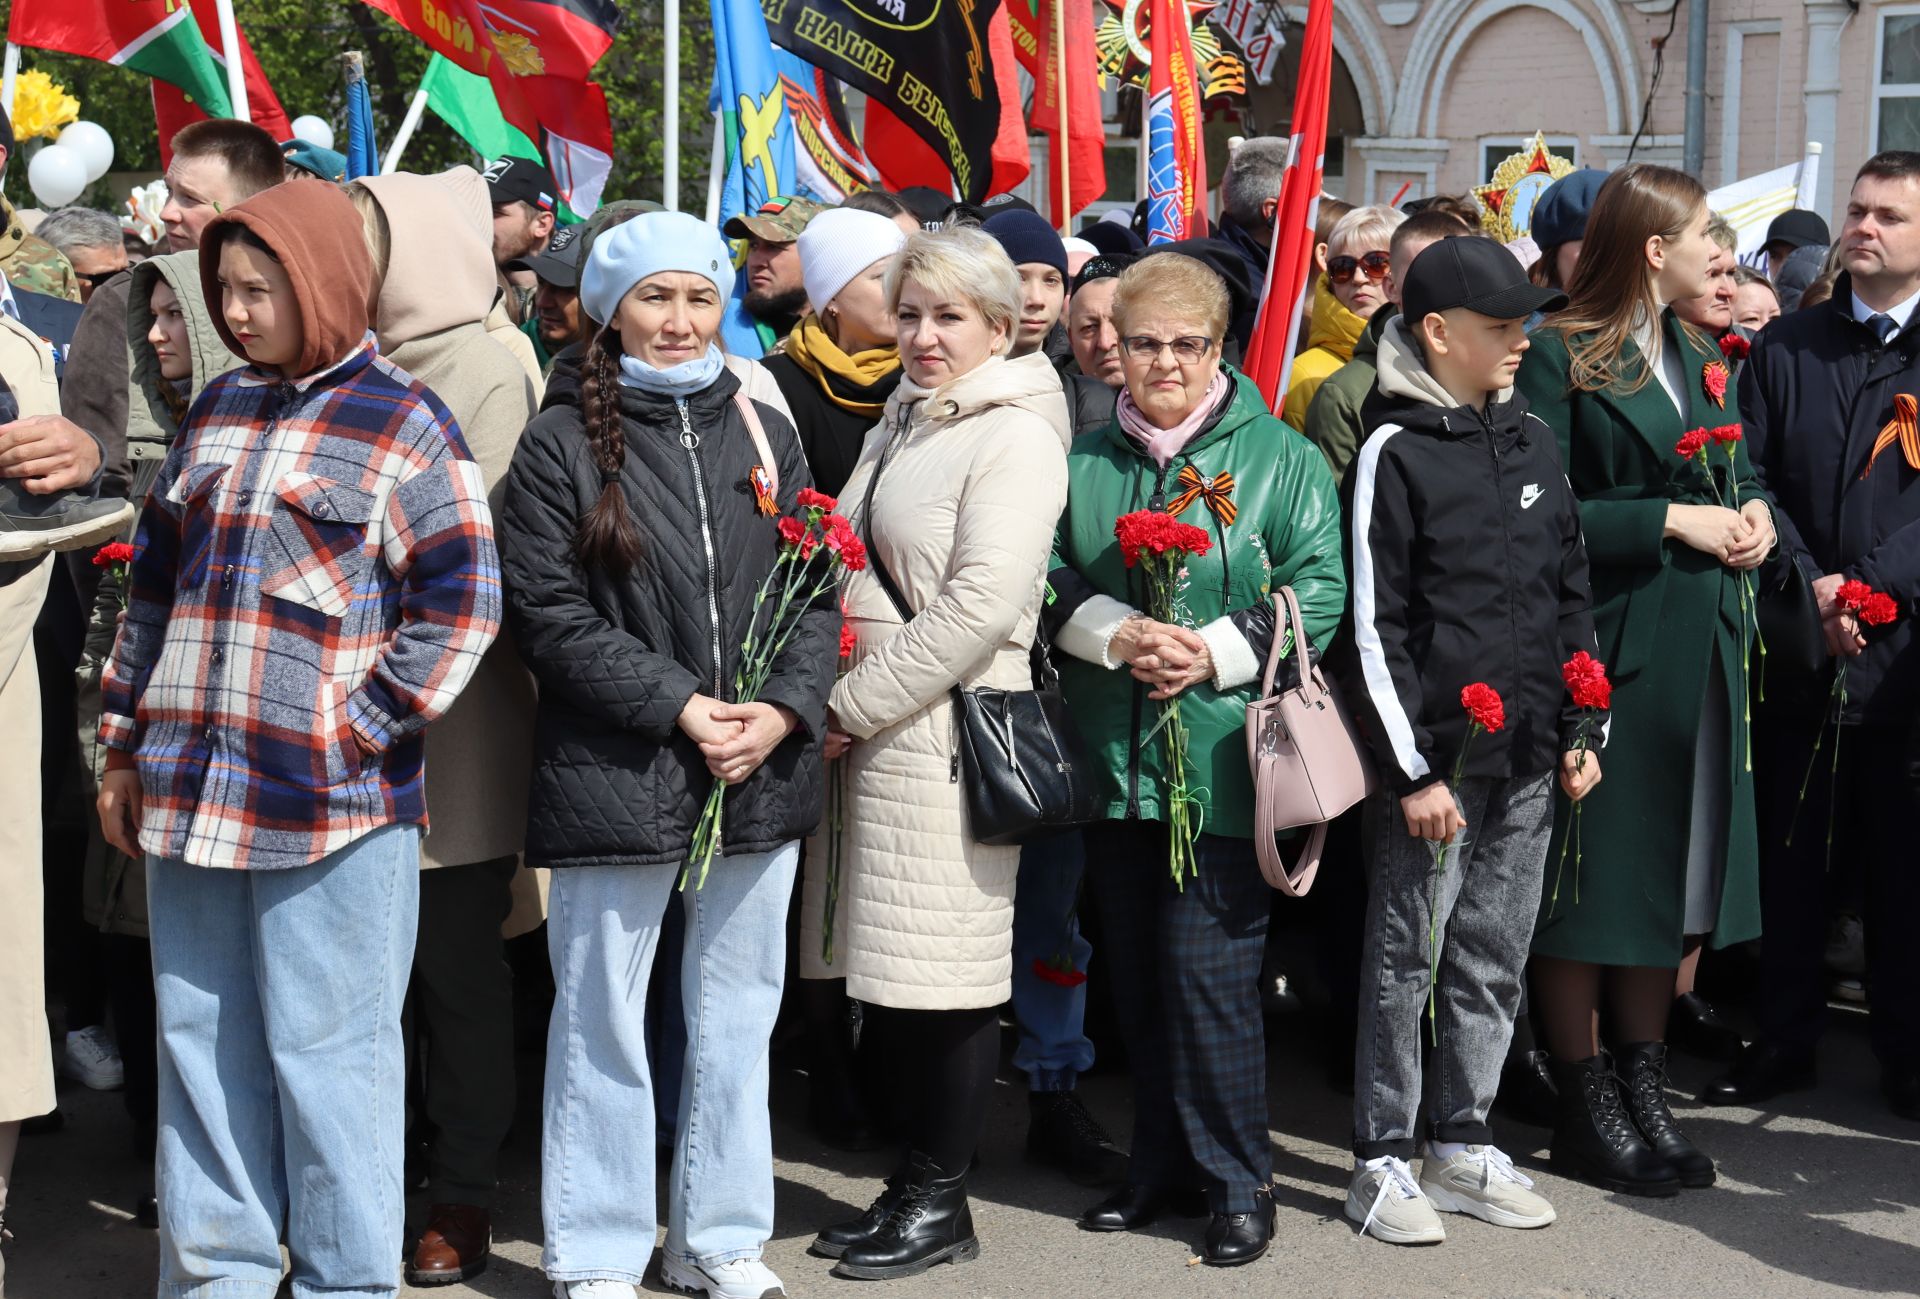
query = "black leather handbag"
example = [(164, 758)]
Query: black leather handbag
[(1788, 618), (1018, 750)]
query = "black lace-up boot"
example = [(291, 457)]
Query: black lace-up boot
[(1644, 1081), (1595, 1139), (930, 1223), (1061, 1133), (834, 1241)]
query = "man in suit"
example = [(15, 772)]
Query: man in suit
[(1828, 401)]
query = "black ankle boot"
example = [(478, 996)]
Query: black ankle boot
[(1594, 1138), (1062, 1134), (835, 1240), (930, 1223), (1645, 1084)]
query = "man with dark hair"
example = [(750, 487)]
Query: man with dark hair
[(92, 243), (776, 297), (555, 322), (216, 164), (525, 199), (28, 261), (1793, 230), (1826, 399)]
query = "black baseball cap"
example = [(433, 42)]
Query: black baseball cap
[(521, 180), (1475, 273), (559, 262), (1798, 228)]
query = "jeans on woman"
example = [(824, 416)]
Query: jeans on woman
[(282, 1070), (1053, 1050), (597, 1149)]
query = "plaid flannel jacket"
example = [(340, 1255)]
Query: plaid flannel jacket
[(315, 582)]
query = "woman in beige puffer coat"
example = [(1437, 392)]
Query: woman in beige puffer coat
[(971, 466)]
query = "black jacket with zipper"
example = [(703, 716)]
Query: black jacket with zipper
[(615, 781), (1465, 564)]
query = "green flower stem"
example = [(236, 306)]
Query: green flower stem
[(1836, 700)]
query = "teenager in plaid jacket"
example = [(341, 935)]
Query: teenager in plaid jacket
[(315, 582)]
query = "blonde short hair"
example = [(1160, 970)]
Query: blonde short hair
[(1365, 227), (373, 219), (960, 264), (1721, 231), (1176, 285)]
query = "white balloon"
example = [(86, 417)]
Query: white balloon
[(91, 141), (314, 130), (56, 175)]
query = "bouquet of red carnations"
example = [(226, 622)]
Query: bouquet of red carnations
[(1873, 609)]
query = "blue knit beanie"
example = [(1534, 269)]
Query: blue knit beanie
[(1028, 238), (652, 242), (1560, 214)]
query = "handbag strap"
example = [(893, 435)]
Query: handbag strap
[(1284, 602)]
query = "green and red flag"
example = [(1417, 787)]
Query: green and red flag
[(172, 109), (157, 37), (537, 56), (1066, 97)]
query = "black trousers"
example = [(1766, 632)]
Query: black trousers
[(459, 1023), (129, 980), (1184, 967), (1871, 803)]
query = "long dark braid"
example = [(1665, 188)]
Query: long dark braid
[(608, 537)]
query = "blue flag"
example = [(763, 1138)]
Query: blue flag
[(363, 154), (757, 131)]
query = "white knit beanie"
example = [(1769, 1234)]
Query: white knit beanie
[(839, 244)]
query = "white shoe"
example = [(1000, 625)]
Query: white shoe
[(92, 1060), (1386, 1201), (742, 1278), (595, 1289), (1482, 1181)]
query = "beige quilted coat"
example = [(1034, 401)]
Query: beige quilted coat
[(964, 518)]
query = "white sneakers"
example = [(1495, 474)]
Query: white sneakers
[(93, 1061), (743, 1278), (1480, 1181), (597, 1289)]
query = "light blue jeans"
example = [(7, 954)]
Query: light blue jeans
[(1053, 1050), (597, 1147), (282, 1074)]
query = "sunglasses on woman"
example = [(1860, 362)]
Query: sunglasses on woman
[(1343, 268)]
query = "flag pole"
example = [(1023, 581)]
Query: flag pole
[(236, 66), (1060, 137), (670, 123), (716, 168), (408, 125), (12, 74)]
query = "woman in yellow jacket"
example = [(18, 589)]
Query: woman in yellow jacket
[(1344, 299)]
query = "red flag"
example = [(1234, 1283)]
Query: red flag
[(173, 110), (903, 159), (1269, 357), (1176, 153), (1084, 147)]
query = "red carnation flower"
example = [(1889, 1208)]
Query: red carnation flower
[(1586, 679), (847, 641), (114, 552), (1483, 703), (1062, 975), (792, 531), (1692, 444), (1853, 596), (1714, 379), (1734, 347), (1879, 609), (1726, 435), (808, 499), (1151, 530)]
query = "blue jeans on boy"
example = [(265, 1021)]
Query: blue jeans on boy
[(1053, 1050), (282, 1070), (597, 1149)]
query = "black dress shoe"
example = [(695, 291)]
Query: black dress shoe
[(1643, 1067), (1902, 1089), (1063, 1135), (1236, 1238), (1595, 1138), (930, 1223), (1765, 1070), (1132, 1207), (1694, 1026), (833, 1242)]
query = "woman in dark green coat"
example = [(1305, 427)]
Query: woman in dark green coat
[(1667, 844)]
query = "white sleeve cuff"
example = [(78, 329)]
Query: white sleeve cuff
[(1234, 663), (1089, 632)]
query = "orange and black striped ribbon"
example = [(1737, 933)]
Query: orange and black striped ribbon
[(1218, 494), (1903, 428)]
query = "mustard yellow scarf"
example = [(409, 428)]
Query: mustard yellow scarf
[(856, 383)]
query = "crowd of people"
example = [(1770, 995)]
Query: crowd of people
[(384, 575)]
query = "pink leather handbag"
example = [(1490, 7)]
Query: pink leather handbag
[(1308, 764)]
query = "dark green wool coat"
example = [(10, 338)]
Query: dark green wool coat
[(1663, 611), (1286, 532)]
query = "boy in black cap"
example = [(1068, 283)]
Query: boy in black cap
[(1466, 567)]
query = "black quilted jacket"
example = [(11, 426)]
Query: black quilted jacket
[(615, 781)]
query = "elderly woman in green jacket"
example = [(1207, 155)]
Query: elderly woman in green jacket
[(1195, 440)]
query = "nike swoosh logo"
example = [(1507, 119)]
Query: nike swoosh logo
[(1529, 494)]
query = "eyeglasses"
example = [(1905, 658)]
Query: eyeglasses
[(1343, 268), (1186, 349)]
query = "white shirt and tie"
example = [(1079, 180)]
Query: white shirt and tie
[(1889, 322)]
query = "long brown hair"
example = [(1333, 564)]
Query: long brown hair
[(1612, 287), (608, 536)]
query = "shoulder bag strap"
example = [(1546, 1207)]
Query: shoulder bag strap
[(758, 432), (874, 562)]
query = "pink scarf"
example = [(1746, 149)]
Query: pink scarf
[(1163, 444)]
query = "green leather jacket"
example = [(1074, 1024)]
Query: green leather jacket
[(1285, 532)]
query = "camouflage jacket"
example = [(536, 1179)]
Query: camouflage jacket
[(30, 262)]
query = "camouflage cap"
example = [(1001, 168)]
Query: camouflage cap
[(778, 221)]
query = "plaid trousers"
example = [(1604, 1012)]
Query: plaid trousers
[(1185, 970)]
